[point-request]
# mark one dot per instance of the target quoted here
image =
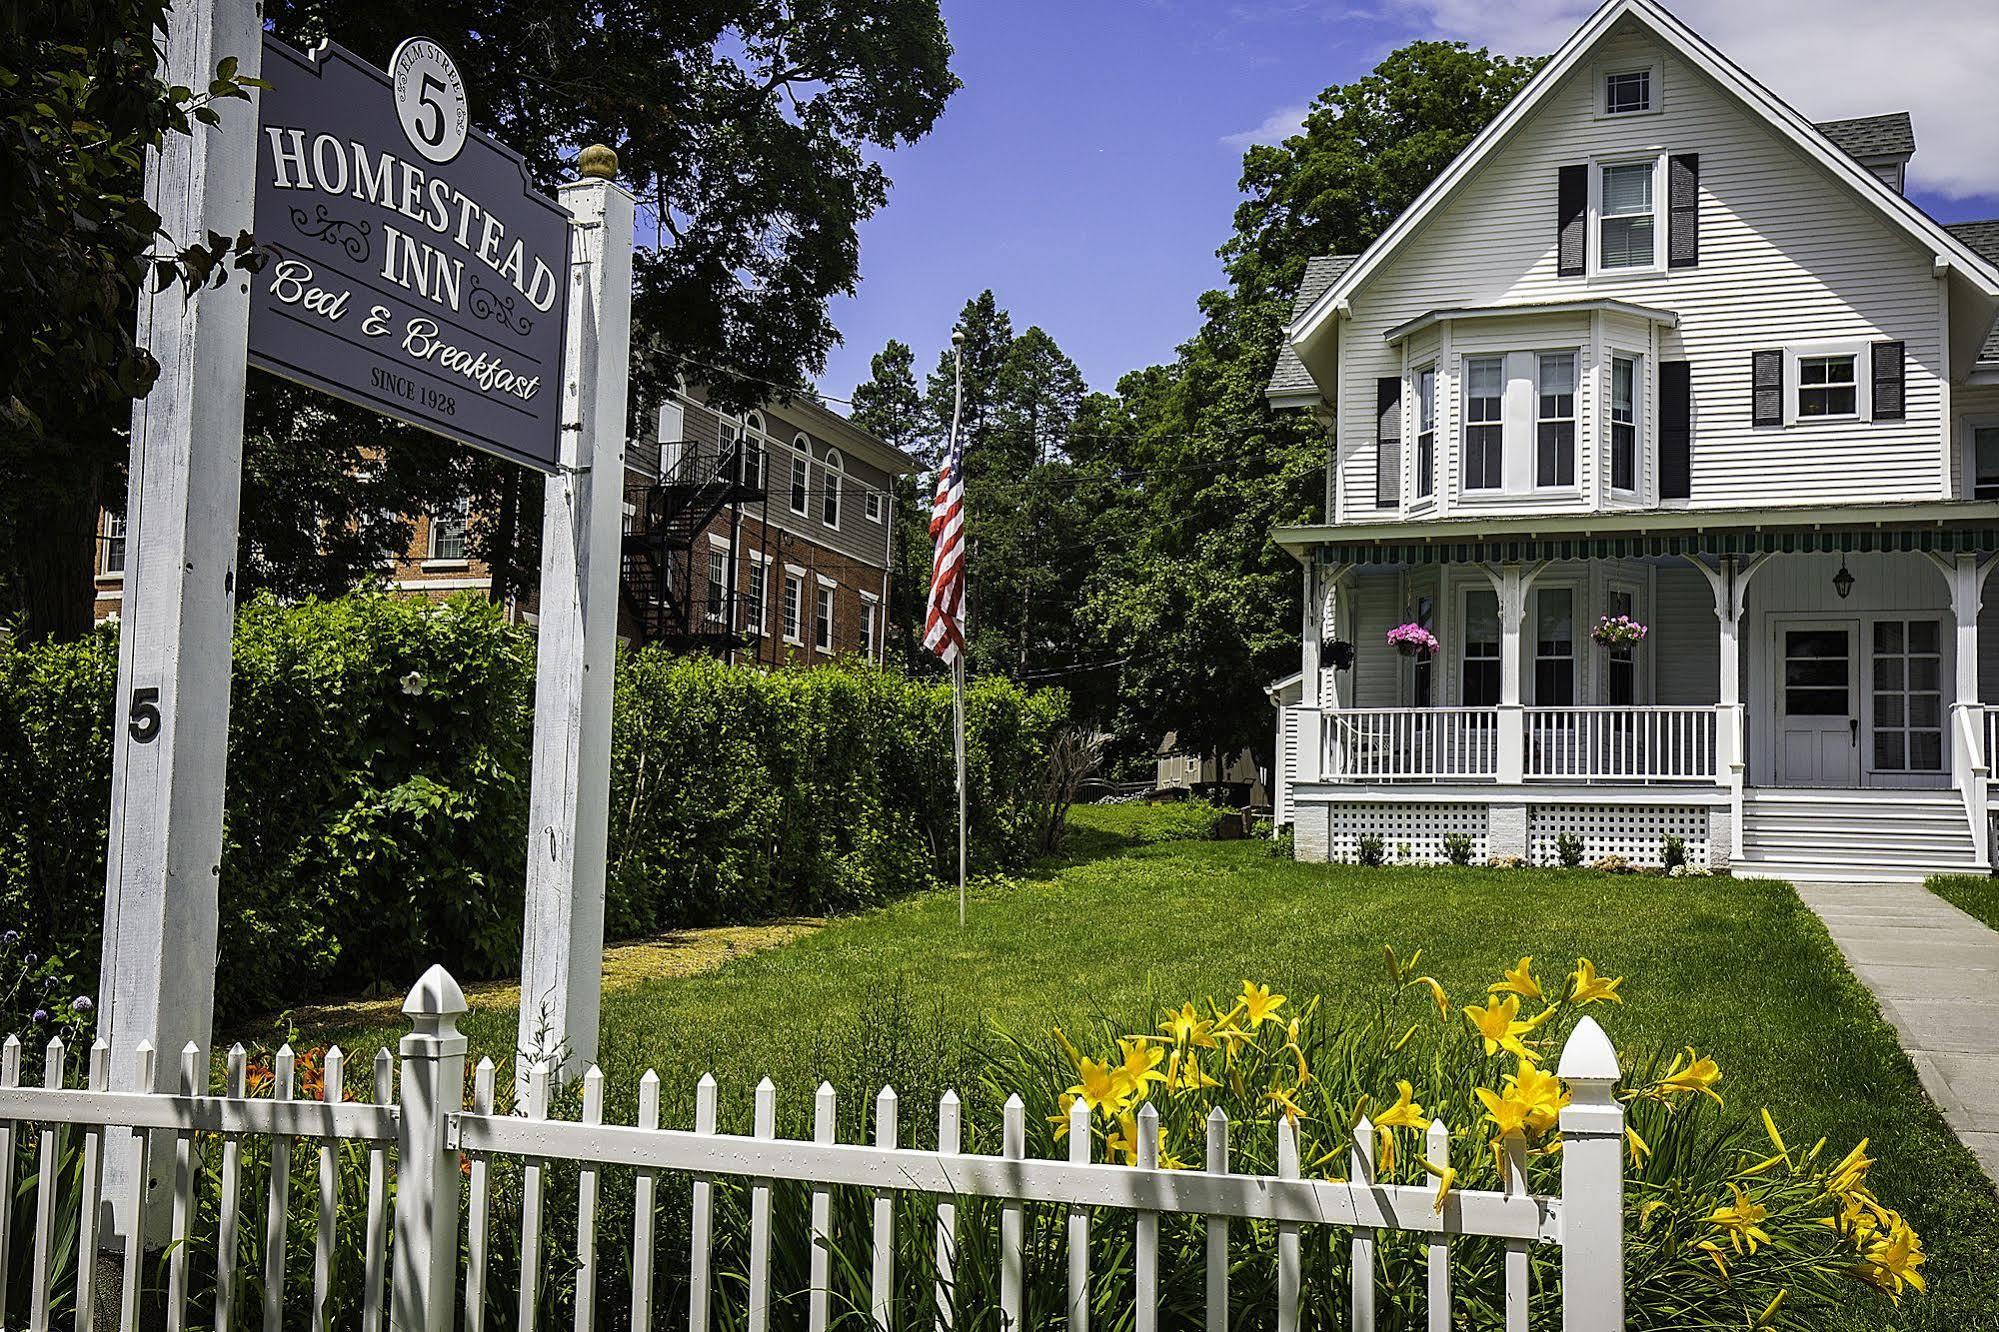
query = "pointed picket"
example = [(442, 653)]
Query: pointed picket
[(1079, 1224), (10, 1076), (278, 1200), (950, 1141), (586, 1210), (532, 1170), (701, 1225), (1013, 1221), (335, 1091), (765, 1126), (1218, 1226), (93, 1175), (1437, 1151), (375, 1255), (193, 1082), (1145, 1258), (1364, 1242), (478, 1209), (1513, 1181), (230, 1204), (1290, 1272), (882, 1300), (45, 1198), (644, 1212), (819, 1299)]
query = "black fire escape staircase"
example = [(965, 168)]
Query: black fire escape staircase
[(658, 580)]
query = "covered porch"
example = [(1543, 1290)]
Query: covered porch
[(1780, 661)]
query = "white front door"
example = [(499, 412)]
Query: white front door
[(1818, 724)]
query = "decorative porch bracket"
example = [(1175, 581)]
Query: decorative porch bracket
[(1728, 578)]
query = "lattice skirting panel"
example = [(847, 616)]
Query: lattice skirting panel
[(1636, 832), (1410, 834)]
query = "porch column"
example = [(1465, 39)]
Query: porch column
[(1970, 763), (1729, 579), (1511, 582)]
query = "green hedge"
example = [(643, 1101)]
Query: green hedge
[(378, 777)]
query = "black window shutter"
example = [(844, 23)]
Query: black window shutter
[(1766, 370), (1890, 403), (1387, 441), (1683, 216), (1571, 221), (1676, 430)]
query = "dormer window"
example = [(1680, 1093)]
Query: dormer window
[(1627, 92)]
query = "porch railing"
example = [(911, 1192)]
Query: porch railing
[(1620, 745), (1592, 744), (1412, 744)]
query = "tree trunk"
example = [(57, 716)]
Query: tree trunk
[(58, 559)]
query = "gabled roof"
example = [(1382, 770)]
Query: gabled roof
[(1891, 135), (1984, 238), (1976, 269), (1291, 378)]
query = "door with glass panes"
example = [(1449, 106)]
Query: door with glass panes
[(1818, 717), (1905, 703)]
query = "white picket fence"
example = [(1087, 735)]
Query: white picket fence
[(411, 1272)]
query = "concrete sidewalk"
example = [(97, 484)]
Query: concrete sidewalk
[(1935, 971)]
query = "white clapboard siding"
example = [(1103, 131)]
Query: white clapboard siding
[(1091, 1196), (1788, 254)]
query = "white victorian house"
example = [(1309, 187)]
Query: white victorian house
[(1657, 347)]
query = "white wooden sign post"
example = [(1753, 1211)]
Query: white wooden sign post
[(562, 948), (170, 724)]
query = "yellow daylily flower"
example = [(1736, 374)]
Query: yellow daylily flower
[(1187, 1028), (1589, 987), (1447, 1176), (1890, 1263), (1542, 1093), (1102, 1087), (1742, 1221), (1769, 1313), (1714, 1251), (1508, 1114), (1140, 1066), (1281, 1098), (1059, 1121), (1641, 1151), (1258, 1004), (1699, 1075), (1436, 994), (1498, 1024), (1405, 1113), (1851, 1173), (1520, 980), (1069, 1049), (1124, 1139)]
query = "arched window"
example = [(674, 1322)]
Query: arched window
[(801, 475), (753, 449), (829, 511)]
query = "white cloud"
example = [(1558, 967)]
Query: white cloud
[(1935, 59), (1278, 126)]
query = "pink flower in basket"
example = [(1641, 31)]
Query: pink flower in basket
[(1619, 631), (1412, 640)]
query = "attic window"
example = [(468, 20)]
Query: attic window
[(1627, 92)]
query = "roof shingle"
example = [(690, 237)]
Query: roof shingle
[(1983, 239), (1892, 135), (1290, 375)]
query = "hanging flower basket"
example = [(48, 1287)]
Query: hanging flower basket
[(1412, 640), (1619, 631)]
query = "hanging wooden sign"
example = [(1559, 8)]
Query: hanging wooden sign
[(414, 270)]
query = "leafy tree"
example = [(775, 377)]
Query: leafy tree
[(80, 105), (1202, 609), (888, 405)]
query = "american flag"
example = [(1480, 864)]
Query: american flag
[(944, 624)]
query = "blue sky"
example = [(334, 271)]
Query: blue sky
[(1087, 171)]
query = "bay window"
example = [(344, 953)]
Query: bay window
[(1555, 420), (1623, 423), (1485, 422), (1426, 432)]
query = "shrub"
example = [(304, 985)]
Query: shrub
[(1457, 848), (1371, 849), (1569, 850), (1674, 853)]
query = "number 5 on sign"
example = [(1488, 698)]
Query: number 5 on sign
[(145, 714)]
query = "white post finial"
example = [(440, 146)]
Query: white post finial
[(1592, 1184), (423, 1292)]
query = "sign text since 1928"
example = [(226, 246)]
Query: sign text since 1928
[(413, 269)]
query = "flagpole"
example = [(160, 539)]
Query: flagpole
[(958, 664)]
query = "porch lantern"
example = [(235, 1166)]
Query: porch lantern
[(1842, 582)]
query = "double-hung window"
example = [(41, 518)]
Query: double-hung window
[(801, 475), (759, 577), (1485, 422), (1828, 385), (1426, 432), (718, 580), (1623, 423), (447, 532), (1478, 672), (822, 623), (1984, 474), (1626, 225), (1555, 420), (794, 607), (829, 502), (1555, 647), (113, 561)]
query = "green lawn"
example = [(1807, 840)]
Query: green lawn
[(1739, 969), (1978, 894)]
